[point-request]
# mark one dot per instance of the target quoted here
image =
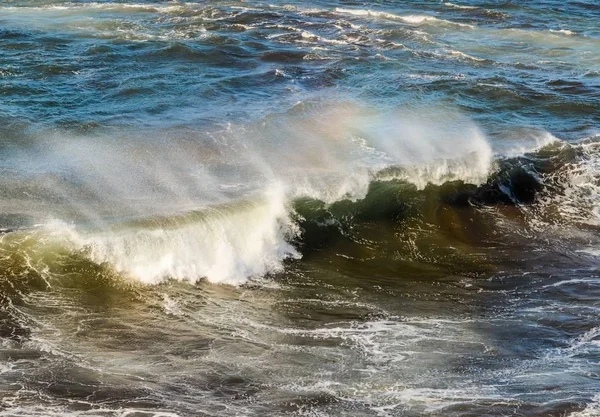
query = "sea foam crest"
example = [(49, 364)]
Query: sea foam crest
[(224, 244), (445, 147), (582, 185)]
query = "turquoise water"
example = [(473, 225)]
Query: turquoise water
[(230, 208)]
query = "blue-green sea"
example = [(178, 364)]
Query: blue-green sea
[(303, 208)]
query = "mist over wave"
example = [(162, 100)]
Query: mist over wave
[(224, 205), (219, 205)]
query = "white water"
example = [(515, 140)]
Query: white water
[(225, 244), (581, 180)]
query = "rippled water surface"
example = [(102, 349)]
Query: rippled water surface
[(316, 208)]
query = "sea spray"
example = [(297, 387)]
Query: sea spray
[(219, 205)]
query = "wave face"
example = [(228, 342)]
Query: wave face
[(306, 208)]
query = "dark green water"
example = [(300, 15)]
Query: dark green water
[(236, 208)]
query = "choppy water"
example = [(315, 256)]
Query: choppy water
[(341, 208)]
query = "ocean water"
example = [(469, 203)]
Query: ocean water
[(304, 208)]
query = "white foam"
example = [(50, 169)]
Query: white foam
[(587, 340), (58, 411), (103, 7), (171, 306), (564, 32), (458, 6), (473, 168), (308, 37), (411, 19), (574, 281), (591, 251), (519, 142), (223, 245), (591, 410), (463, 55)]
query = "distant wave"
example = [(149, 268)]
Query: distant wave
[(411, 19), (458, 6), (563, 31)]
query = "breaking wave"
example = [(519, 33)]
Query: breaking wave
[(256, 235)]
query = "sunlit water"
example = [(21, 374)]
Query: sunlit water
[(231, 208)]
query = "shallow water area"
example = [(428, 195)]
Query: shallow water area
[(231, 208)]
